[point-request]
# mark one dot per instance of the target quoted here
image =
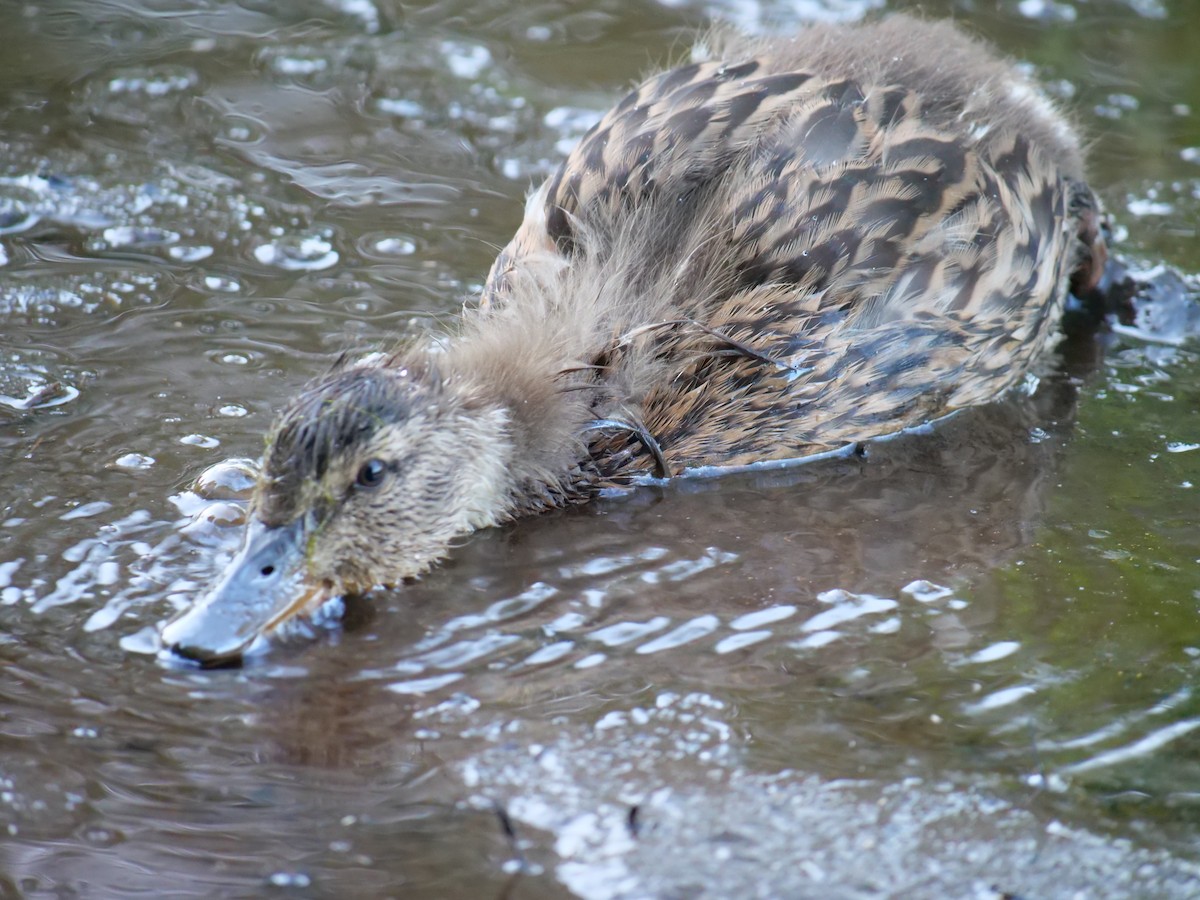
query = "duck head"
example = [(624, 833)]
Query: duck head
[(367, 477)]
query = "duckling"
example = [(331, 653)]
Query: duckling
[(796, 245)]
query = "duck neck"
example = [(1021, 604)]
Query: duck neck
[(524, 378)]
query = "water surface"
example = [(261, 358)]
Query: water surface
[(963, 667)]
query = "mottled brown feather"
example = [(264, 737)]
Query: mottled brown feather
[(887, 209)]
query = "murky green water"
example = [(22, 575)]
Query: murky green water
[(963, 668)]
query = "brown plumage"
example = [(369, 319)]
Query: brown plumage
[(797, 245)]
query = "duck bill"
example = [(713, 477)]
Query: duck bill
[(264, 586)]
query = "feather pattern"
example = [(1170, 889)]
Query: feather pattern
[(829, 238), (790, 246)]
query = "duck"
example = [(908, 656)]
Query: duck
[(784, 247)]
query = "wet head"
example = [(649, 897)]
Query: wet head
[(367, 477)]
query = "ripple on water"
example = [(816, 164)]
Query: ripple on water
[(845, 607), (18, 207), (697, 628), (994, 652), (425, 685), (138, 95)]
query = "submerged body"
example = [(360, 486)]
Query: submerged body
[(800, 244)]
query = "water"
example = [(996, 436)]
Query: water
[(963, 667)]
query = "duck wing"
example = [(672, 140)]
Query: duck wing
[(848, 233)]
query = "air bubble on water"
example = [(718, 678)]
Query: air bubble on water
[(295, 253), (16, 216), (1144, 206), (133, 461), (466, 60), (190, 253), (290, 880), (364, 11), (395, 246), (156, 83), (223, 514), (926, 591), (222, 283), (133, 236), (200, 440), (230, 479), (400, 106), (297, 65), (1047, 10)]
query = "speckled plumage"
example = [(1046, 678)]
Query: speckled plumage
[(794, 245), (850, 232)]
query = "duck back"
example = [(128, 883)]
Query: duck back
[(796, 244)]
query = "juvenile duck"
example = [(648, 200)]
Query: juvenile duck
[(795, 246)]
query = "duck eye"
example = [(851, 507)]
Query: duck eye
[(371, 474)]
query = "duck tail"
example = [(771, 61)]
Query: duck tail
[(1155, 304), (1091, 234)]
